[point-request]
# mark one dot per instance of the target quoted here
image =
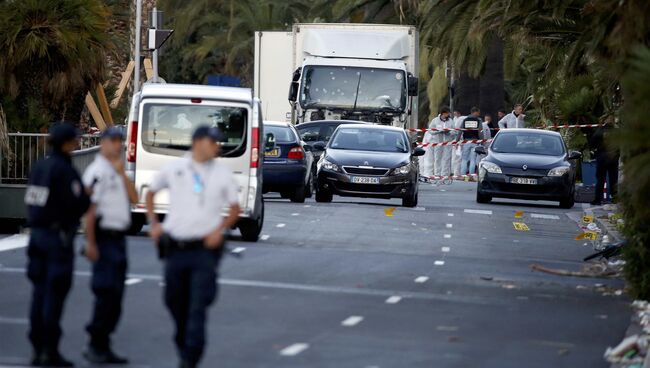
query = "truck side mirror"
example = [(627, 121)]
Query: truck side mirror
[(293, 91), (413, 85)]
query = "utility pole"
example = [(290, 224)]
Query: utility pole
[(138, 46), (154, 25)]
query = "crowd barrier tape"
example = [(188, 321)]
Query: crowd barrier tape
[(556, 126), (454, 143), (441, 179)]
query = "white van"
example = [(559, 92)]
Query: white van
[(161, 121)]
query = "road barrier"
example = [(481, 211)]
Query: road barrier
[(454, 143)]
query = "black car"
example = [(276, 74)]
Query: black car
[(287, 163), (317, 134), (527, 164), (369, 161)]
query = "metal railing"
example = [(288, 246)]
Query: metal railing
[(27, 148)]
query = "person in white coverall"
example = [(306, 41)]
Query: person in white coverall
[(515, 119), (426, 162), (455, 154), (442, 154)]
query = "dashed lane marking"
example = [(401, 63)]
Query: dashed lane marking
[(445, 249), (439, 263), (478, 212), (421, 279), (265, 237), (132, 281), (450, 214), (447, 236), (449, 226), (393, 299), (295, 214), (351, 321), (14, 242), (280, 225), (238, 250), (307, 206), (447, 328), (544, 216), (294, 349)]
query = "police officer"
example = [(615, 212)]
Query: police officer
[(107, 220), (191, 237), (55, 202)]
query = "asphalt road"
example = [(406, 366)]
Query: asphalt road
[(365, 283)]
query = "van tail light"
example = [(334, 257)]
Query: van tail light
[(296, 153), (132, 144), (255, 148)]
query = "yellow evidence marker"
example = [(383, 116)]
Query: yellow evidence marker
[(389, 211), (520, 226), (519, 214)]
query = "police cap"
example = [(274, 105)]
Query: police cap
[(62, 132), (111, 133)]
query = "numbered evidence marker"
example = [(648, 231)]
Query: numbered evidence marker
[(520, 226), (589, 235), (519, 214), (389, 211), (587, 219)]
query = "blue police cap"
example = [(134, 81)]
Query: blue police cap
[(207, 132), (62, 132), (112, 132)]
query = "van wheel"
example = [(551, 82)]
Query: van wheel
[(251, 228), (299, 194), (482, 198), (323, 196), (410, 201), (137, 222)]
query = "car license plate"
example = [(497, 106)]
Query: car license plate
[(364, 180), (272, 153), (523, 181)]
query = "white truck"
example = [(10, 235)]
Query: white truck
[(364, 72)]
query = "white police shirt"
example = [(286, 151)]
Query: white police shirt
[(109, 194), (198, 193)]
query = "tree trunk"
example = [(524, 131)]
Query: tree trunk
[(491, 91)]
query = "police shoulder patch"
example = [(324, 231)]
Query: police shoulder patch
[(36, 195)]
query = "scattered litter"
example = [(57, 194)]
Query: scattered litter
[(601, 316), (629, 351)]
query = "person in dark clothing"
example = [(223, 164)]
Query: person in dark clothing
[(55, 201), (472, 126), (606, 162)]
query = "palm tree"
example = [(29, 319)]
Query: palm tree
[(53, 53)]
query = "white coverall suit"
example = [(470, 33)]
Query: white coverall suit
[(426, 163), (442, 154)]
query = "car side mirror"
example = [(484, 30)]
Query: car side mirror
[(418, 151), (574, 155), (319, 146), (269, 144), (293, 91), (480, 150), (413, 85)]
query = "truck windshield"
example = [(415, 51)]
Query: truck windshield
[(353, 88), (168, 126)]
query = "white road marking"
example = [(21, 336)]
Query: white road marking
[(351, 321), (447, 328), (265, 237), (449, 226), (14, 242), (544, 216), (238, 250), (393, 299), (280, 225), (419, 209), (295, 214), (445, 249), (307, 206), (14, 321), (450, 214), (478, 212), (132, 281), (421, 279), (294, 349), (447, 236), (439, 263)]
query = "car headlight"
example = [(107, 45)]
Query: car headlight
[(403, 170), (491, 167), (330, 166), (558, 171)]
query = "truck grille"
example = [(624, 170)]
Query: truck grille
[(365, 171)]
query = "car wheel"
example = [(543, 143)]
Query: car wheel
[(251, 228), (567, 203), (323, 196), (411, 200), (482, 198), (137, 222), (299, 194), (310, 187), (286, 194)]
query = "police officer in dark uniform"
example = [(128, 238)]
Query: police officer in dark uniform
[(191, 237), (55, 201)]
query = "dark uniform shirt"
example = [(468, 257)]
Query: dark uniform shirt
[(55, 197), (474, 125)]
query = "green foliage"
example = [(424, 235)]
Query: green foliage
[(634, 138)]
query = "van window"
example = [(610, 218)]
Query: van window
[(170, 127)]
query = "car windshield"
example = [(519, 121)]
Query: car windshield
[(353, 88), (369, 140), (528, 143), (171, 126), (282, 134), (317, 133)]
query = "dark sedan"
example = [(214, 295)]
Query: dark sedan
[(369, 161), (527, 164), (287, 163)]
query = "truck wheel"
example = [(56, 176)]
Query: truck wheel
[(482, 198), (137, 222), (299, 194), (323, 196), (411, 200), (251, 228)]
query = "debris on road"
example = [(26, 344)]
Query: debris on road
[(633, 350), (596, 270)]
